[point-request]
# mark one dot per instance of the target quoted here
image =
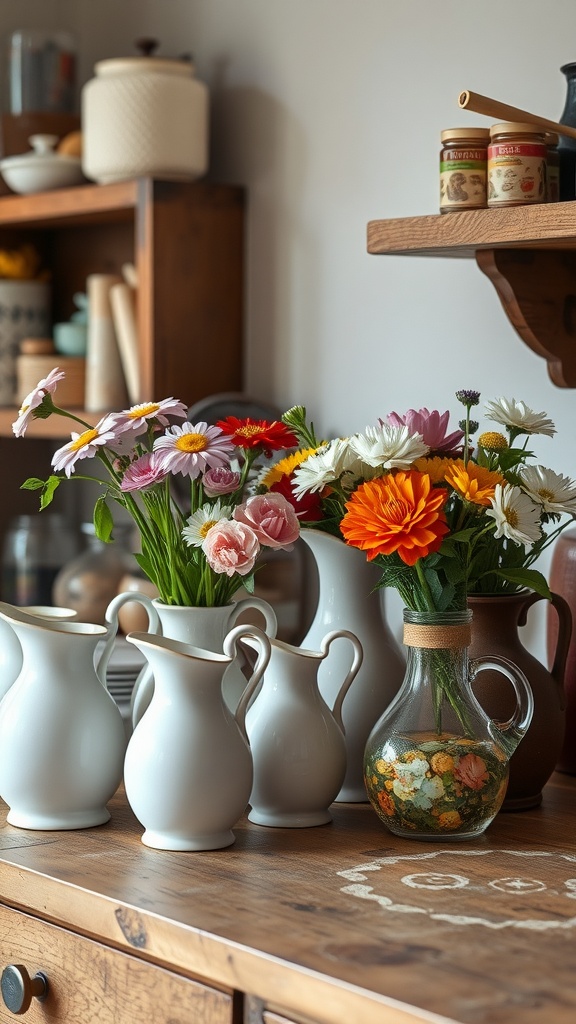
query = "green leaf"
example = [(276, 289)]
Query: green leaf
[(248, 583), (32, 484), (103, 520), (530, 578), (50, 487)]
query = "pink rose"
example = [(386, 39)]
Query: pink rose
[(220, 480), (231, 547), (272, 518), (472, 771)]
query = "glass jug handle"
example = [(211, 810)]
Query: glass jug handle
[(511, 732)]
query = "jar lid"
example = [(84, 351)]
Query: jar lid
[(115, 66), (515, 128), (478, 134)]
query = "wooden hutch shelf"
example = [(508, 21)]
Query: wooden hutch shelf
[(529, 254), (186, 241)]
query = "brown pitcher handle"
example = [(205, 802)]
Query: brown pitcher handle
[(564, 614)]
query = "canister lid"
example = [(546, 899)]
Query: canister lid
[(144, 63), (477, 134), (515, 128), (115, 66)]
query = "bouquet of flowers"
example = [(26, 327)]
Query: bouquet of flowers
[(199, 555), (441, 515)]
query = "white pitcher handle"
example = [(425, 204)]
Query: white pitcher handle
[(111, 622), (264, 652), (352, 672), (267, 611)]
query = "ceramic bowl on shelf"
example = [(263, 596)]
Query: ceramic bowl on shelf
[(41, 169)]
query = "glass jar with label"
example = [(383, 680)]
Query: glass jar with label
[(516, 164), (463, 160)]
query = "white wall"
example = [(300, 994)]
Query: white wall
[(330, 112)]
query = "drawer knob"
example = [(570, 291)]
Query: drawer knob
[(19, 989)]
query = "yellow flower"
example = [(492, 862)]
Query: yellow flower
[(441, 762), (474, 483), (449, 819), (284, 467), (384, 767), (435, 467), (493, 441)]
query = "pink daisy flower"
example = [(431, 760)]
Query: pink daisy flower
[(84, 445), (143, 473), (191, 449), (47, 386)]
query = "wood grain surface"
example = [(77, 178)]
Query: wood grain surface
[(539, 226), (337, 924)]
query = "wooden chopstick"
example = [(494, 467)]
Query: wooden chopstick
[(479, 104)]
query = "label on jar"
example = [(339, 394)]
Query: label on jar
[(516, 173), (462, 179)]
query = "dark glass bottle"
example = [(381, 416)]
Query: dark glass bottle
[(567, 146)]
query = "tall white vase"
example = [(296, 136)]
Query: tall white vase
[(62, 738), (347, 600), (205, 628)]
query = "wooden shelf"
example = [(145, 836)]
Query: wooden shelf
[(55, 427), (83, 203), (529, 254), (186, 241)]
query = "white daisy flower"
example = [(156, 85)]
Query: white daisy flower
[(192, 448), (198, 524), (519, 417), (553, 491), (47, 386), (84, 445), (515, 515), (388, 447), (324, 467)]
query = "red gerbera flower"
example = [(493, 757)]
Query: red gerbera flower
[(307, 508), (248, 433)]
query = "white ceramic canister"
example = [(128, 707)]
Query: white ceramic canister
[(144, 116)]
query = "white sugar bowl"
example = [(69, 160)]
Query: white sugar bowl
[(41, 169), (144, 116)]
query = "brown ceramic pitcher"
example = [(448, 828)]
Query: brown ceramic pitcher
[(495, 631)]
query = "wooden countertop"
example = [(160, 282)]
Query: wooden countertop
[(341, 924)]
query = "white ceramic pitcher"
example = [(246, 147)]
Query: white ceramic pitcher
[(297, 742), (188, 768), (10, 649), (62, 738)]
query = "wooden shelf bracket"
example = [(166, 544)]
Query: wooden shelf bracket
[(537, 288)]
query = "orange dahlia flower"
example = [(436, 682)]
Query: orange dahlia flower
[(400, 512), (474, 483)]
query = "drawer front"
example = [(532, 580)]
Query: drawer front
[(91, 984)]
